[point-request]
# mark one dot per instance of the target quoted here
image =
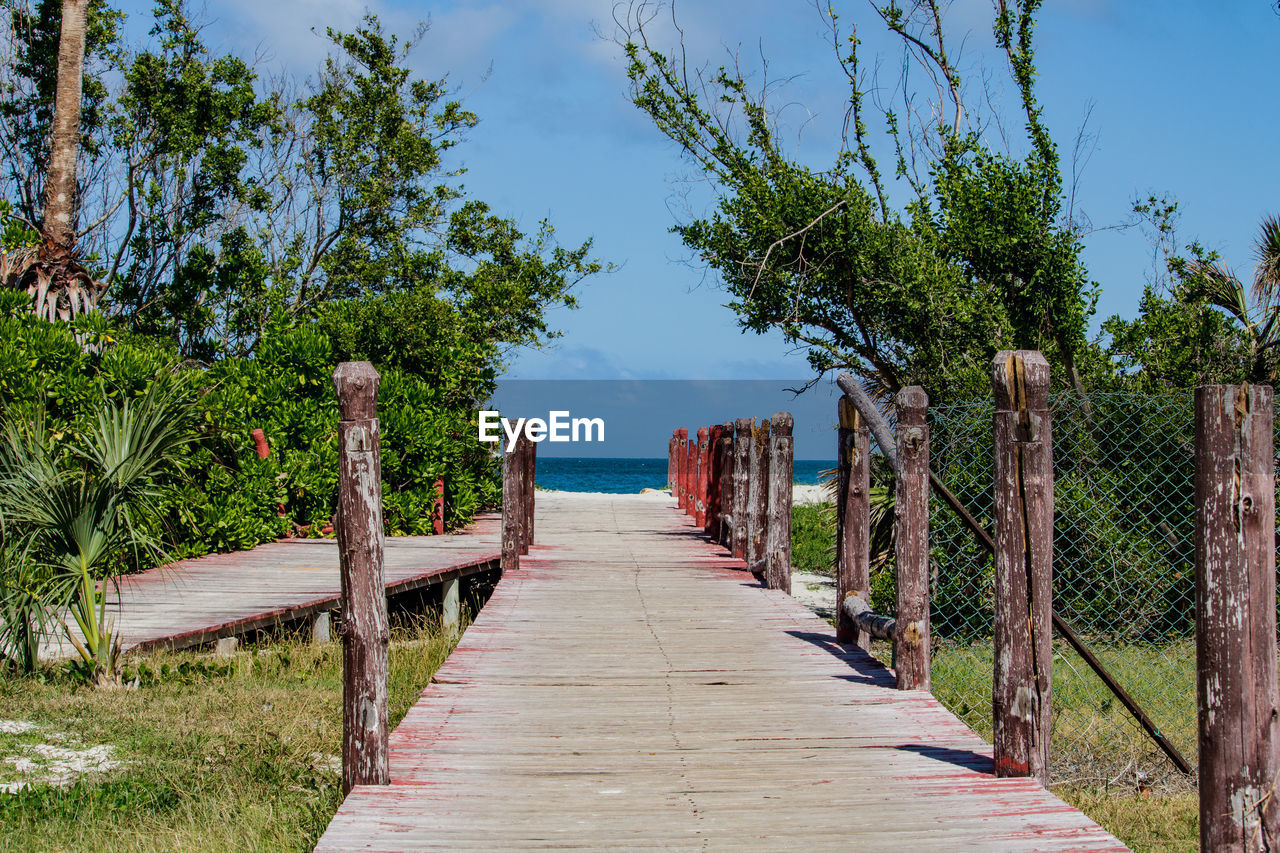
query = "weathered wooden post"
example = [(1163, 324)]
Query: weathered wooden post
[(758, 501), (701, 479), (911, 548), (743, 441), (528, 468), (512, 509), (682, 457), (691, 476), (714, 467), (1023, 495), (671, 460), (853, 566), (1236, 618), (260, 445), (781, 476), (723, 533), (365, 628), (437, 509)]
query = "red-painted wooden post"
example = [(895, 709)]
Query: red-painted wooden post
[(690, 476), (911, 542), (682, 464), (437, 509), (853, 536), (1236, 619), (671, 460), (512, 510), (1023, 494), (715, 465), (260, 445), (743, 441), (722, 532), (529, 464), (700, 481), (758, 501), (365, 627), (781, 478)]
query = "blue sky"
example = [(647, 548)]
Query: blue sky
[(1176, 94)]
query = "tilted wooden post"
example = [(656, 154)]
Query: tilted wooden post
[(911, 548), (714, 467), (365, 628), (722, 532), (528, 468), (512, 509), (758, 501), (781, 476), (853, 567), (1023, 495), (743, 442), (1236, 618)]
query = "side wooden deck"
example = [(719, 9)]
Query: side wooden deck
[(193, 602), (633, 687)]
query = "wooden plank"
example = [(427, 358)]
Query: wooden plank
[(626, 689), (911, 542), (1236, 618)]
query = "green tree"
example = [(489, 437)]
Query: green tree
[(979, 254)]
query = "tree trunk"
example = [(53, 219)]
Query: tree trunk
[(58, 230)]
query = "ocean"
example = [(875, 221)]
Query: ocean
[(629, 476)]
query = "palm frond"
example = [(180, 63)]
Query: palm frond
[(1216, 284), (1266, 278)]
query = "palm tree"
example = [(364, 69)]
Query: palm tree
[(72, 512), (60, 287), (1215, 283)]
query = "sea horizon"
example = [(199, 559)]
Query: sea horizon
[(630, 475)]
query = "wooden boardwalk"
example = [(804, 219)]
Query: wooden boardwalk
[(631, 687), (224, 595)]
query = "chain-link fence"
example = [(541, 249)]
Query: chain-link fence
[(1124, 578)]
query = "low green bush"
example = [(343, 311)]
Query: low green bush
[(225, 498)]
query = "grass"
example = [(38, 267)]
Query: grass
[(813, 538), (234, 754)]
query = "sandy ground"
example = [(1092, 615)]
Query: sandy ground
[(799, 494)]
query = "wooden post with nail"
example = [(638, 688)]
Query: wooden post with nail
[(1023, 497), (365, 628), (512, 510), (911, 541), (1236, 618)]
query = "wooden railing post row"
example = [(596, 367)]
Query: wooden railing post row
[(743, 441), (365, 628), (1023, 496), (781, 477), (1236, 618), (911, 541), (722, 532), (528, 469), (714, 465), (853, 529), (512, 509), (758, 501)]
